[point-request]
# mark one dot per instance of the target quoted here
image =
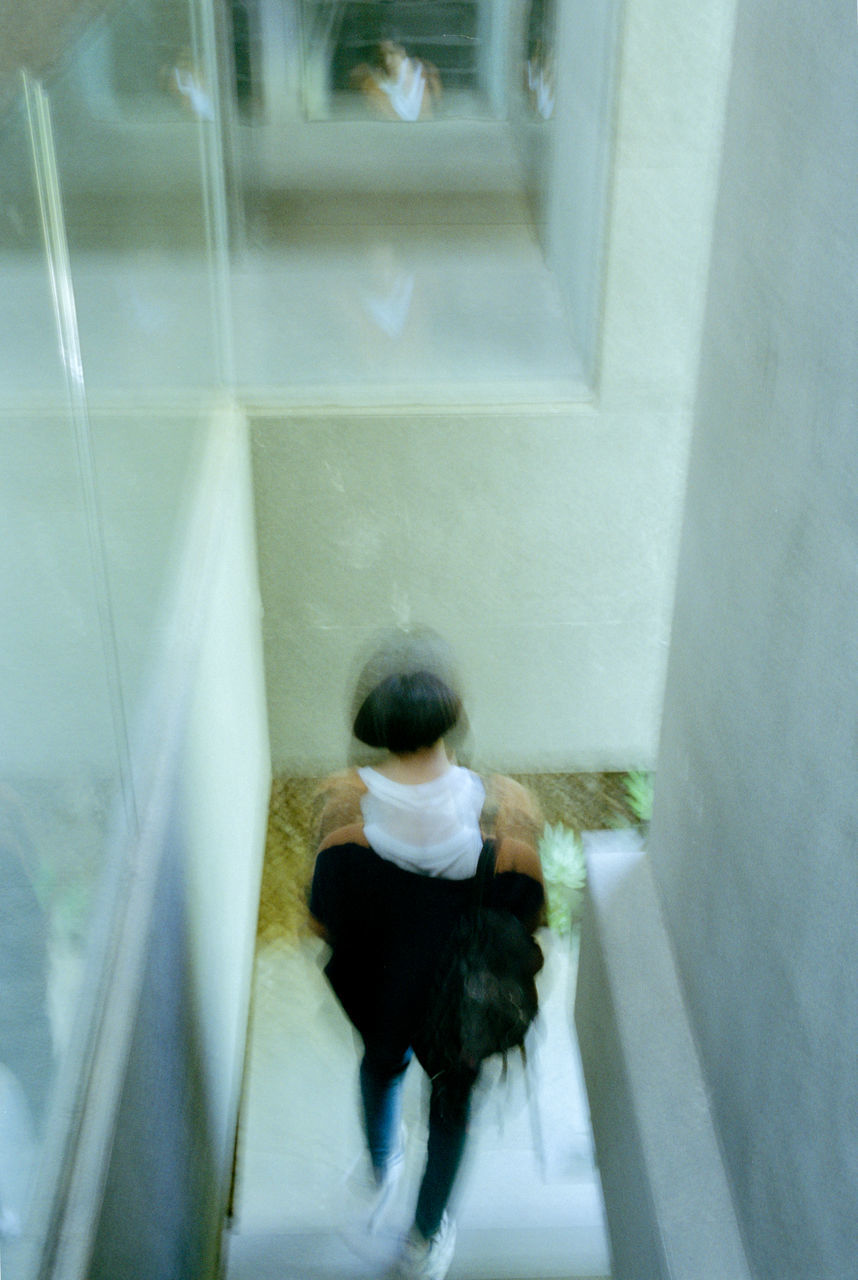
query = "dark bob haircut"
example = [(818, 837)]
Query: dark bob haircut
[(406, 712)]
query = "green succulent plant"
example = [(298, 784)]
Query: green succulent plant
[(565, 874), (639, 791)]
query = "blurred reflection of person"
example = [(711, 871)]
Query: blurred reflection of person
[(399, 844), (186, 81), (397, 86), (540, 82), (539, 61), (388, 301)]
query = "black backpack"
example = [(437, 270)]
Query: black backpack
[(484, 996)]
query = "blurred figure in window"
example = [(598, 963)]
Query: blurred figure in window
[(540, 82), (539, 58), (396, 86), (185, 80)]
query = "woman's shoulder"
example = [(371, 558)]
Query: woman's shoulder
[(337, 805), (512, 819), (510, 812), (519, 856)]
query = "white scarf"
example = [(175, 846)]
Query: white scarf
[(430, 827)]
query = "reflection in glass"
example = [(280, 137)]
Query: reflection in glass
[(61, 798), (134, 112), (397, 61), (396, 85), (540, 59), (28, 352), (94, 498), (61, 794), (440, 140)]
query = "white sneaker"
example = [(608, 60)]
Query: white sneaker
[(385, 1186), (375, 1188), (427, 1259)]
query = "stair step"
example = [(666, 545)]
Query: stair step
[(481, 1254)]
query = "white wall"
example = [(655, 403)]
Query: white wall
[(225, 782)]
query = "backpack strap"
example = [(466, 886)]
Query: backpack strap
[(485, 874)]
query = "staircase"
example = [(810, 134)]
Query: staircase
[(529, 1204)]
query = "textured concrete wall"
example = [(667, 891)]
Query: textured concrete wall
[(541, 542), (754, 836), (520, 542)]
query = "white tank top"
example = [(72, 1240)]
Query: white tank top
[(430, 827)]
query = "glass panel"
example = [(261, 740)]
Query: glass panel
[(29, 365), (424, 194), (93, 510), (132, 108), (62, 806), (62, 813), (64, 802), (146, 470)]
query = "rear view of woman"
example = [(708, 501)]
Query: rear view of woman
[(399, 845)]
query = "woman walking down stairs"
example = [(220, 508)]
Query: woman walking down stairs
[(531, 1207)]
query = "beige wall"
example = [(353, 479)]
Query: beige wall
[(541, 541)]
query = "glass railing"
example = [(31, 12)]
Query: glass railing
[(137, 141), (116, 343)]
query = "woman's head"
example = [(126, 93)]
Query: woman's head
[(389, 56), (407, 712), (407, 693)]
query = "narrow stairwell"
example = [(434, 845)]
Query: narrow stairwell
[(529, 1205)]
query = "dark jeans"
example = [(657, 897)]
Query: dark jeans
[(381, 1079)]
